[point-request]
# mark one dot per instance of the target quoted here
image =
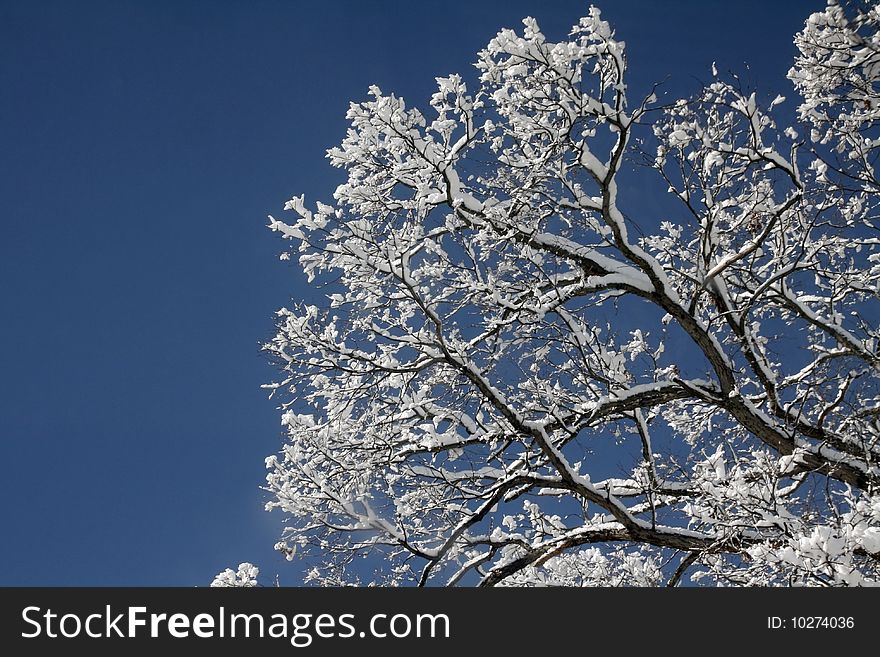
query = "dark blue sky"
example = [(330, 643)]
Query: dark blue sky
[(142, 145)]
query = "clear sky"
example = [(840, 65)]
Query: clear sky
[(142, 145)]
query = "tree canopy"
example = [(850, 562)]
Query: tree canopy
[(516, 382)]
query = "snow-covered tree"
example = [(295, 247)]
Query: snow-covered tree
[(521, 377)]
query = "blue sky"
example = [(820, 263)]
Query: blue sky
[(142, 145)]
